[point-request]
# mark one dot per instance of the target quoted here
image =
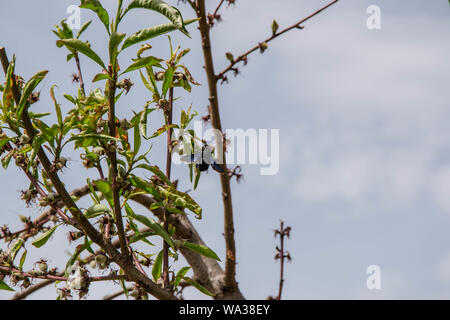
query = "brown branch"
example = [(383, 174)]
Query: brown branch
[(218, 7), (169, 113), (113, 158), (25, 293), (243, 57), (80, 75), (45, 216), (207, 271), (116, 294), (231, 286), (52, 277)]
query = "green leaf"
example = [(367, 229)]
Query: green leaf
[(93, 135), (203, 250), (197, 178), (87, 244), (4, 141), (28, 90), (157, 266), (137, 139), (97, 7), (157, 171), (96, 210), (57, 107), (4, 286), (82, 47), (168, 78), (152, 32), (7, 98), (142, 236), (83, 28), (180, 199), (106, 189), (156, 227), (145, 186), (15, 249), (198, 286), (42, 239), (22, 259), (142, 62), (100, 76), (170, 12), (114, 41), (180, 275)]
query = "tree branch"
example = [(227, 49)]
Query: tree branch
[(113, 158), (243, 57), (231, 286)]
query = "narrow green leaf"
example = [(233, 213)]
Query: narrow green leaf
[(83, 28), (96, 210), (168, 78), (28, 90), (142, 62), (4, 286), (97, 7), (43, 238), (114, 40), (7, 99), (93, 135), (106, 189), (137, 139), (142, 236), (82, 47), (170, 12), (57, 107), (203, 250), (156, 227), (180, 199), (22, 259), (100, 76), (157, 266), (155, 170), (152, 32), (15, 249), (198, 286)]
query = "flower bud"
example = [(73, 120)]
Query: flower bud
[(24, 139), (43, 267)]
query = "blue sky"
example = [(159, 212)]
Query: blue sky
[(364, 140)]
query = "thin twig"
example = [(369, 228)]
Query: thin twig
[(218, 8), (243, 57), (282, 255), (113, 157), (80, 75)]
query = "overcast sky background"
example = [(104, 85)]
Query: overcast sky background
[(364, 140)]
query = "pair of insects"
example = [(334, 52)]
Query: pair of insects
[(203, 159)]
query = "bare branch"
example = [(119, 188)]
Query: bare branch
[(263, 44)]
